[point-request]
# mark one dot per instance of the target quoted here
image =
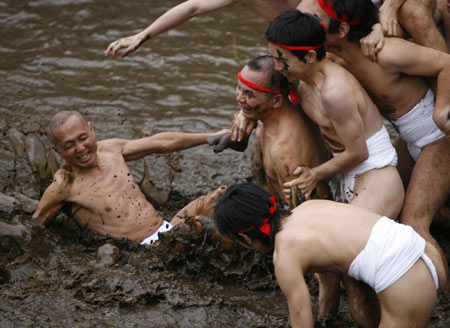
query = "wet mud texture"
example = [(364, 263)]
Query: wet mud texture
[(64, 276)]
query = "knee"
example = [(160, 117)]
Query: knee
[(417, 17)]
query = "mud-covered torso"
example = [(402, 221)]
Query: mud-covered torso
[(111, 200)]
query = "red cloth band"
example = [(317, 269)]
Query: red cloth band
[(295, 47), (331, 11), (265, 226), (257, 87)]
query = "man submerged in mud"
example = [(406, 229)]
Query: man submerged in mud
[(326, 236), (96, 178)]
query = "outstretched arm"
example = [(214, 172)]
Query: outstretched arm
[(164, 142), (172, 18), (53, 197)]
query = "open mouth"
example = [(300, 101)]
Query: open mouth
[(85, 157)]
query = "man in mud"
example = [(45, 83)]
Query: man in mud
[(285, 137), (321, 235), (364, 159), (96, 178), (398, 84)]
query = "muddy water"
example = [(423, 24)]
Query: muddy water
[(51, 59)]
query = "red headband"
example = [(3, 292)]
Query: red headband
[(257, 87), (295, 47), (265, 226), (293, 94), (328, 8)]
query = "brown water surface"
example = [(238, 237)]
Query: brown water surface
[(51, 59)]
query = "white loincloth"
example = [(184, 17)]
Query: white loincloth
[(165, 226), (417, 127), (392, 249), (381, 154)]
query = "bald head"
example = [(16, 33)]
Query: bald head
[(59, 119)]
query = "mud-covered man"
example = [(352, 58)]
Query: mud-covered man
[(285, 137), (321, 235), (96, 178)]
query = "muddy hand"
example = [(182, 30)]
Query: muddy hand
[(241, 127), (223, 141), (130, 44), (306, 181)]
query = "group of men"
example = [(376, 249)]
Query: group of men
[(320, 132)]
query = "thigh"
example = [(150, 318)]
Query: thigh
[(429, 185), (380, 190), (410, 301)]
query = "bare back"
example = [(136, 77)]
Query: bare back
[(394, 92)]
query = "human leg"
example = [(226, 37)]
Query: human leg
[(405, 306), (381, 191), (329, 293), (405, 161), (416, 17), (428, 190)]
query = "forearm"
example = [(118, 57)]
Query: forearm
[(172, 18), (339, 164)]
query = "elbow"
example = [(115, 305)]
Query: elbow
[(442, 120)]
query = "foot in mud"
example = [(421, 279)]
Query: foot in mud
[(202, 206)]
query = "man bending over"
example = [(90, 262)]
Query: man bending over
[(321, 235)]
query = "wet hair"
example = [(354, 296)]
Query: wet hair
[(364, 10), (59, 119), (277, 81), (244, 206), (294, 28)]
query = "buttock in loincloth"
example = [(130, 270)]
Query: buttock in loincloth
[(392, 249)]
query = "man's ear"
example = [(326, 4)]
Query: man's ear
[(311, 56), (344, 28), (91, 127), (277, 101)]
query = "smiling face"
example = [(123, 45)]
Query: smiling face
[(254, 103), (286, 63), (75, 142)]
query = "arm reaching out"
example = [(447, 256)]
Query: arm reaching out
[(164, 142), (388, 17), (172, 18)]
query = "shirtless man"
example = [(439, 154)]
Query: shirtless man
[(96, 178), (285, 137), (181, 13), (363, 154), (397, 83), (321, 235)]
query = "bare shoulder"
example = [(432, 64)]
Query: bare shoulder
[(110, 145), (63, 178)]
